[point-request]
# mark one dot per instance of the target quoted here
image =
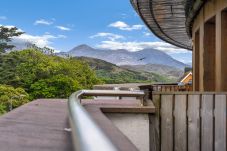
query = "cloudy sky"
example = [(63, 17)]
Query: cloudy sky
[(64, 24)]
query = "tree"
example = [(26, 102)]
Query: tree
[(45, 76), (11, 98), (59, 86), (6, 35)]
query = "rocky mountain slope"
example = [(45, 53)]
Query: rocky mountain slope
[(111, 73), (124, 57)]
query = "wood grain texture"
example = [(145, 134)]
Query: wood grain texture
[(180, 125), (220, 122), (166, 123), (157, 137), (207, 123), (39, 125), (194, 123)]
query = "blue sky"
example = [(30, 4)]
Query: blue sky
[(64, 24)]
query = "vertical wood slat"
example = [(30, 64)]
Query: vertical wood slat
[(220, 123), (180, 125), (155, 146), (166, 123), (209, 134), (207, 123), (193, 122)]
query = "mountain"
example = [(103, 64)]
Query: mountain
[(163, 70), (124, 57), (111, 73)]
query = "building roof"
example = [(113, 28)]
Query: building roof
[(170, 20), (186, 75)]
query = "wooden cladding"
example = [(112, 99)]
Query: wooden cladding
[(171, 88), (196, 61), (209, 30), (224, 51), (209, 55), (190, 122)]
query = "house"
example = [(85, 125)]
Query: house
[(186, 78), (169, 121), (200, 27)]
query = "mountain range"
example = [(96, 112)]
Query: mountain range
[(125, 57), (111, 73)]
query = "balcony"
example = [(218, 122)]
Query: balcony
[(120, 120)]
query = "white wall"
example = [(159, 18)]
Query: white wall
[(134, 126)]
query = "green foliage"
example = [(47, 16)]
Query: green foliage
[(112, 74), (45, 76), (9, 94), (121, 77), (59, 86), (6, 35)]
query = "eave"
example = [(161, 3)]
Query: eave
[(166, 19)]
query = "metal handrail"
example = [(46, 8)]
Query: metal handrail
[(86, 134)]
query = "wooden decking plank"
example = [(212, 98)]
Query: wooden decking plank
[(39, 125)]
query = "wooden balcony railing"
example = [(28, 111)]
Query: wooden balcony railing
[(189, 121), (172, 88)]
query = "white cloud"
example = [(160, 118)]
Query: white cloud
[(40, 41), (147, 34), (123, 26), (137, 46), (109, 36), (43, 22), (3, 17), (63, 28), (62, 36)]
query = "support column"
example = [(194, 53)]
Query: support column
[(201, 50), (218, 54)]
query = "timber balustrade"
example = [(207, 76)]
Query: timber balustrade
[(189, 121), (174, 88)]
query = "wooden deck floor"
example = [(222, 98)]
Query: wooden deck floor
[(39, 125), (43, 124)]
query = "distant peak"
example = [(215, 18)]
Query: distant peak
[(83, 46)]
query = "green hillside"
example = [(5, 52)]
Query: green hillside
[(111, 73), (31, 74)]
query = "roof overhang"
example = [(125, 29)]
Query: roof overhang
[(166, 19), (192, 8)]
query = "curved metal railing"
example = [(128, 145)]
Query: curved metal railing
[(86, 134)]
